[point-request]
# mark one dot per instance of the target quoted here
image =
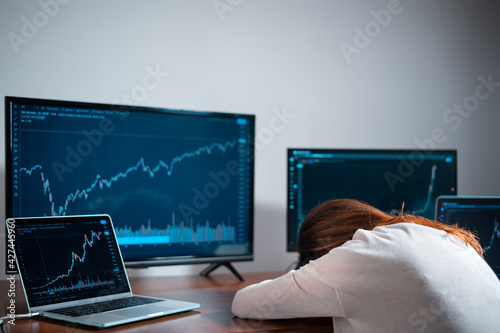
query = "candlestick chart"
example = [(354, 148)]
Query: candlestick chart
[(68, 260)]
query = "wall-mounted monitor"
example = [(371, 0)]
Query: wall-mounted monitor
[(178, 184), (383, 178)]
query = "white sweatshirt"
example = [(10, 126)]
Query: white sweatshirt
[(399, 278)]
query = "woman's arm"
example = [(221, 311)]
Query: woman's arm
[(297, 294)]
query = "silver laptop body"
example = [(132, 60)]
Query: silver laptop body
[(70, 261)]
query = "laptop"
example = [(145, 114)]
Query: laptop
[(71, 269), (478, 214)]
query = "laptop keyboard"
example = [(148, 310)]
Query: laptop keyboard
[(86, 309)]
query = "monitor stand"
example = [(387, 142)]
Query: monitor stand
[(216, 265)]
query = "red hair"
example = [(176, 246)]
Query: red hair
[(334, 222)]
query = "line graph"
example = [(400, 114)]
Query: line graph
[(428, 202), (75, 257), (430, 188), (138, 165), (101, 183), (495, 234), (64, 259)]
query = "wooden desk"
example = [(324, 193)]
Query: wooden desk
[(214, 293)]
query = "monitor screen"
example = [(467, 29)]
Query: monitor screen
[(178, 184), (383, 178), (480, 215)]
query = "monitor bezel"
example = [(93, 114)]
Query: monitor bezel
[(465, 199), (147, 261)]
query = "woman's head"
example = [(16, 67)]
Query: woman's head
[(334, 222)]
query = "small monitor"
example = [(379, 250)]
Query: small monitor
[(178, 184), (383, 178), (478, 214)]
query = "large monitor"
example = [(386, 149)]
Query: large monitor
[(178, 184), (383, 178)]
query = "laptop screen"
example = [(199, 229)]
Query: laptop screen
[(64, 259), (478, 214)]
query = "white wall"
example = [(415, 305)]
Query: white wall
[(270, 57)]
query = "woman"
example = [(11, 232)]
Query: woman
[(372, 272)]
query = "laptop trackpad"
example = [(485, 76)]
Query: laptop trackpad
[(139, 311)]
